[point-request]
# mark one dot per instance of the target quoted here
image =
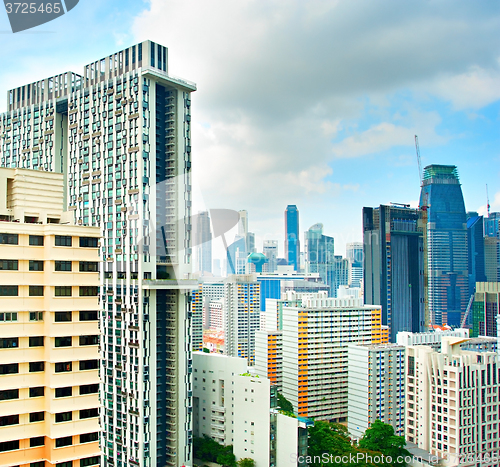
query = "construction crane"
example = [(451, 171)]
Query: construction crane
[(420, 172), (487, 201), (467, 311)]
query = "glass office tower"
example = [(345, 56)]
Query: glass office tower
[(446, 244), (121, 135), (292, 243)]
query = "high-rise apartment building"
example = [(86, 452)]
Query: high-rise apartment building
[(320, 256), (316, 333), (448, 285), (197, 319), (452, 400), (49, 327), (292, 242), (375, 384), (241, 316), (203, 242), (394, 266), (121, 135)]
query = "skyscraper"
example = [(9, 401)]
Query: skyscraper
[(292, 243), (270, 249), (121, 135), (475, 250), (394, 266), (446, 244), (203, 242), (354, 254), (320, 257)]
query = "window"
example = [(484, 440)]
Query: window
[(36, 240), (88, 266), (63, 266), (64, 417), (37, 392), (63, 341), (36, 290), (9, 316), (89, 242), (88, 316), (9, 290), (64, 392), (62, 367), (36, 265), (66, 441), (38, 464), (9, 420), (9, 394), (36, 341), (89, 461), (39, 441), (36, 315), (63, 290), (9, 343), (65, 464), (37, 417), (89, 389), (9, 239), (62, 316), (89, 437), (62, 240), (9, 446), (36, 366), (9, 265), (89, 340), (88, 291), (88, 364), (89, 413)]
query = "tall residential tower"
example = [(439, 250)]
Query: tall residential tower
[(121, 135)]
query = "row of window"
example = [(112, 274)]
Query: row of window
[(59, 442), (60, 367), (59, 316), (60, 240), (38, 341), (60, 291), (12, 394), (40, 417), (60, 266)]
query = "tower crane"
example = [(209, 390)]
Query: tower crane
[(420, 173)]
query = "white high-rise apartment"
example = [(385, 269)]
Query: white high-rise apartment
[(121, 135), (316, 332), (375, 384), (452, 400)]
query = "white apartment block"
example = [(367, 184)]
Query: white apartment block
[(315, 338), (452, 400), (213, 395), (216, 316), (241, 316), (375, 383), (431, 339), (121, 136)]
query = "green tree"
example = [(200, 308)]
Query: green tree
[(205, 350), (284, 403), (380, 437), (246, 462), (330, 438), (226, 458)]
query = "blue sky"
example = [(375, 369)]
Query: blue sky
[(307, 102)]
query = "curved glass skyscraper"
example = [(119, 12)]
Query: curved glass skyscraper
[(446, 244)]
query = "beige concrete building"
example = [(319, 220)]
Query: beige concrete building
[(49, 344), (452, 400)]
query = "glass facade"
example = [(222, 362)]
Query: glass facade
[(446, 244), (292, 243)]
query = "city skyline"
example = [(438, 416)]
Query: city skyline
[(342, 142)]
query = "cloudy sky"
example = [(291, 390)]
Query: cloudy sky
[(307, 102)]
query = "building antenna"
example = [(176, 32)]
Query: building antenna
[(487, 201)]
